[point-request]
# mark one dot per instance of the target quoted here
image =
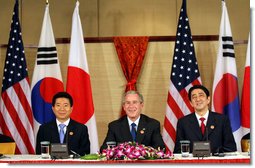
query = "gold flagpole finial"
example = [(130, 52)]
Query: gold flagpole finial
[(47, 1)]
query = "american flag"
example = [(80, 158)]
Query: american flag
[(16, 118), (184, 75)]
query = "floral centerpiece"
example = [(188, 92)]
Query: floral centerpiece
[(129, 151)]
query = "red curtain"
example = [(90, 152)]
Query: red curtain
[(131, 52)]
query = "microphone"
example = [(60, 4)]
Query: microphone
[(206, 130), (67, 137), (76, 155), (219, 152), (60, 150), (70, 151), (202, 148)]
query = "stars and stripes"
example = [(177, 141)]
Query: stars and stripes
[(184, 74), (16, 117)]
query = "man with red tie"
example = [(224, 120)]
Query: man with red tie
[(204, 125)]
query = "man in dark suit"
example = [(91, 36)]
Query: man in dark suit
[(75, 133), (217, 126), (5, 138), (146, 130)]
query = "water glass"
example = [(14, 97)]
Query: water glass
[(45, 149), (111, 144), (185, 148)]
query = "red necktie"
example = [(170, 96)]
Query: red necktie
[(202, 119)]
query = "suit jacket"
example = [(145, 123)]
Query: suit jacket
[(5, 138), (218, 132), (148, 132), (76, 135)]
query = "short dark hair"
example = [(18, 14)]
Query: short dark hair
[(62, 95), (198, 87)]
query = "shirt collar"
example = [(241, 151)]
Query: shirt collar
[(66, 122), (205, 116), (136, 121)]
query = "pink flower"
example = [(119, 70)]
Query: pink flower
[(119, 154), (131, 150), (160, 154)]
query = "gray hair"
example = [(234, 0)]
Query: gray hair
[(132, 92)]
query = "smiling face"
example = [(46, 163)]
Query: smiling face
[(200, 101), (132, 106), (62, 109)]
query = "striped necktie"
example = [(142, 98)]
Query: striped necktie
[(61, 133), (133, 131)]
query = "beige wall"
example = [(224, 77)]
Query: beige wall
[(101, 18), (125, 17)]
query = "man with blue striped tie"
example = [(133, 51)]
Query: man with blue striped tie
[(63, 129)]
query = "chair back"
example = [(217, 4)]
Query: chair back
[(7, 148)]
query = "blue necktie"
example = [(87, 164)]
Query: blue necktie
[(61, 133), (133, 131)]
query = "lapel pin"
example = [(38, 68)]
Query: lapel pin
[(142, 131), (71, 133), (212, 126)]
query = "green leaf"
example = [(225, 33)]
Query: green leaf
[(91, 157)]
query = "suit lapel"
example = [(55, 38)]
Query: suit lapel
[(141, 130), (125, 130), (211, 124), (54, 133), (195, 126), (70, 131)]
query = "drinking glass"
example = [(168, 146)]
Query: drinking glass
[(185, 148), (45, 149)]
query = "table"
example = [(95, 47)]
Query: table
[(239, 158)]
